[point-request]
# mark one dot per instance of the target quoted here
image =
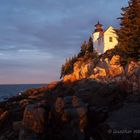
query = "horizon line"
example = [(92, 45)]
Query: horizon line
[(24, 83)]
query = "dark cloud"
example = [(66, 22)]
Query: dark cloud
[(37, 35)]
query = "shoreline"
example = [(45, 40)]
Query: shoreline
[(79, 108)]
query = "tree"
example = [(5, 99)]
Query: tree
[(62, 71), (83, 49), (87, 52), (90, 45), (67, 68), (129, 32)]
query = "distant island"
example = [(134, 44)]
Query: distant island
[(97, 98)]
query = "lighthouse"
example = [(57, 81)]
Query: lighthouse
[(104, 40), (97, 37)]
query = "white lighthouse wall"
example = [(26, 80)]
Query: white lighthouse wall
[(98, 42)]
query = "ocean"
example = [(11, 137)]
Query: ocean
[(7, 91)]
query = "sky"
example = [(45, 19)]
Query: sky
[(36, 36)]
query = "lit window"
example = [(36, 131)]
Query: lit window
[(110, 39)]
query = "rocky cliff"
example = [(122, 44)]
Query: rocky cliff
[(100, 100), (106, 70)]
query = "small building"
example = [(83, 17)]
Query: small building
[(104, 40)]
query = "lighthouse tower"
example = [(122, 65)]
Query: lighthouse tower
[(98, 37), (104, 40)]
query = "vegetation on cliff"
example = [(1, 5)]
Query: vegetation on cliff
[(129, 32), (128, 37), (87, 52), (67, 68), (85, 109)]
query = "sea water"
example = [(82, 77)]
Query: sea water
[(7, 91)]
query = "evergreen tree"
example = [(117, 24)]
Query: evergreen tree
[(67, 68), (62, 71), (83, 49), (129, 32), (90, 45)]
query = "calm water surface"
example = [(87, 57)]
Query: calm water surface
[(11, 90)]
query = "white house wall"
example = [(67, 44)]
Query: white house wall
[(107, 34)]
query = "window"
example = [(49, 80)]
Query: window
[(110, 39)]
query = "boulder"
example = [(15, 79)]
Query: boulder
[(115, 69), (133, 75), (3, 138), (115, 60), (33, 97), (76, 70), (17, 126), (81, 69), (70, 78), (72, 101), (1, 111), (59, 104), (31, 92), (77, 118), (99, 72), (77, 102), (8, 135), (86, 70), (131, 67), (34, 118), (73, 114), (105, 69), (35, 92), (26, 134), (123, 123), (3, 117), (52, 85), (23, 103)]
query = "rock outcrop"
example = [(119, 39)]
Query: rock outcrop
[(86, 109), (34, 118), (71, 112), (81, 70), (97, 101), (115, 68), (107, 70)]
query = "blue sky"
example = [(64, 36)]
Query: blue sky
[(36, 36)]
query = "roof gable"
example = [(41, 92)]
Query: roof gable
[(109, 29)]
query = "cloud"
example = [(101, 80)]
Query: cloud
[(40, 34)]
